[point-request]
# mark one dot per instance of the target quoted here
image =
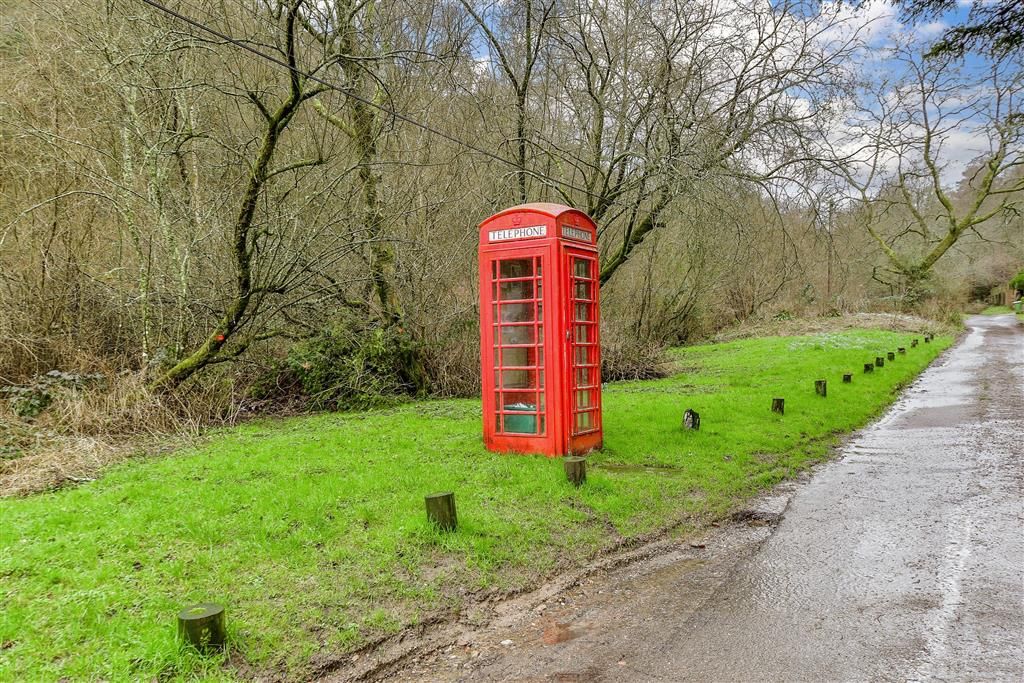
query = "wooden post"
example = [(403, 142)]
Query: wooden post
[(913, 343), (901, 349), (575, 470), (441, 510), (820, 388), (891, 355), (691, 419), (879, 362), (848, 378), (202, 626), (779, 406), (869, 367), (927, 339)]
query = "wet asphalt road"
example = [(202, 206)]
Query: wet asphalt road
[(902, 560)]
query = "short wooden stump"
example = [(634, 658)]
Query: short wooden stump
[(202, 626), (441, 510), (575, 470)]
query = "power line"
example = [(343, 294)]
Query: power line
[(348, 93)]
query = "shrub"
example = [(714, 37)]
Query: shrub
[(29, 400), (1018, 281), (353, 366), (632, 359)]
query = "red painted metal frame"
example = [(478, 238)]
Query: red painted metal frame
[(539, 331)]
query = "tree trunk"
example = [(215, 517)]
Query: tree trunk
[(241, 247)]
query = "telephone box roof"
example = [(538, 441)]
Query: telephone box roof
[(545, 208)]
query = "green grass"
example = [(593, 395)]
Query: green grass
[(997, 310), (311, 530)]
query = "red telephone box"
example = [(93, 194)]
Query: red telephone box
[(539, 344)]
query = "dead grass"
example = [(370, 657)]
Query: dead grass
[(894, 322), (57, 463), (83, 432)]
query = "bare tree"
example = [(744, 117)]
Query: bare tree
[(248, 294), (895, 157)]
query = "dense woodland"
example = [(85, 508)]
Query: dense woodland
[(278, 203)]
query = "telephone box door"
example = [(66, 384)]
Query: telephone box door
[(583, 349), (515, 338)]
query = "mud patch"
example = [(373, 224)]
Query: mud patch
[(556, 632), (757, 517), (646, 469), (585, 676)]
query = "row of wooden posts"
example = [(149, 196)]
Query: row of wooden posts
[(821, 386), (203, 625)]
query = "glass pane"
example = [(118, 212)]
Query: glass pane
[(583, 398), (494, 270), (582, 334), (581, 267), (520, 419), (540, 290), (519, 401), (517, 334), (542, 425), (541, 385), (521, 267), (539, 270), (517, 313), (497, 422), (582, 355), (582, 290), (518, 379), (583, 421), (497, 357), (583, 312), (494, 291), (520, 357), (520, 289), (582, 377)]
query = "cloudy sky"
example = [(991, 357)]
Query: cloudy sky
[(881, 27)]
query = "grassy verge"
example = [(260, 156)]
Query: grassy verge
[(312, 532), (997, 310)]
